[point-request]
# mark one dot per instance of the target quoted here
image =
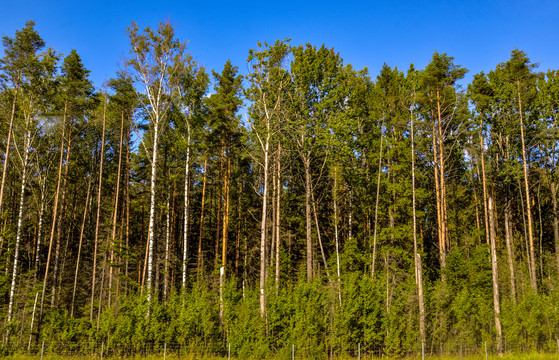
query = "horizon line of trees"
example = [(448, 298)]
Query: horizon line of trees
[(336, 208)]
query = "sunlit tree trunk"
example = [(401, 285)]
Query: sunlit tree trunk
[(495, 276), (98, 217), (27, 145)]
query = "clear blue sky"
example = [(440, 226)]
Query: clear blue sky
[(479, 34)]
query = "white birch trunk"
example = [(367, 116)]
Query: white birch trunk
[(152, 211), (19, 224)]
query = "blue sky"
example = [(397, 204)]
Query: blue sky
[(479, 34)]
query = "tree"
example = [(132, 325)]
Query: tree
[(268, 80), (156, 59), (439, 103)]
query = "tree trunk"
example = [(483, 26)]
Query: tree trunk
[(27, 145), (278, 216), (7, 154), (85, 208), (417, 258), (54, 214), (59, 232), (115, 214), (151, 229), (40, 229), (226, 186), (306, 162), (186, 211), (510, 250), (495, 276), (528, 202), (483, 177), (263, 228), (555, 221), (376, 203), (201, 232), (444, 216), (336, 237), (99, 191)]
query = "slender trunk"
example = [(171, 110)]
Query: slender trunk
[(226, 186), (528, 202), (60, 229), (238, 240), (32, 321), (186, 211), (263, 228), (555, 221), (510, 253), (278, 216), (151, 230), (7, 152), (167, 240), (336, 238), (219, 203), (27, 145), (127, 187), (376, 203), (54, 214), (85, 208), (417, 258), (115, 214), (40, 230), (483, 177), (99, 190), (201, 232), (306, 162), (495, 276), (444, 216), (475, 191), (319, 237), (442, 253)]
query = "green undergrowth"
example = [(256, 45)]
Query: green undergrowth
[(533, 356)]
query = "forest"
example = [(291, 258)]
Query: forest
[(306, 204)]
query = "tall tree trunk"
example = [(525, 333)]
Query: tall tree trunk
[(127, 187), (263, 227), (40, 229), (203, 203), (278, 216), (336, 237), (555, 221), (483, 177), (98, 217), (238, 240), (115, 214), (510, 250), (417, 258), (54, 215), (306, 162), (85, 208), (186, 211), (59, 232), (226, 188), (444, 216), (376, 202), (167, 248), (151, 229), (318, 236), (495, 276), (27, 145), (442, 252), (527, 189), (7, 156)]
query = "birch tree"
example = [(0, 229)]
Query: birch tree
[(156, 57)]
